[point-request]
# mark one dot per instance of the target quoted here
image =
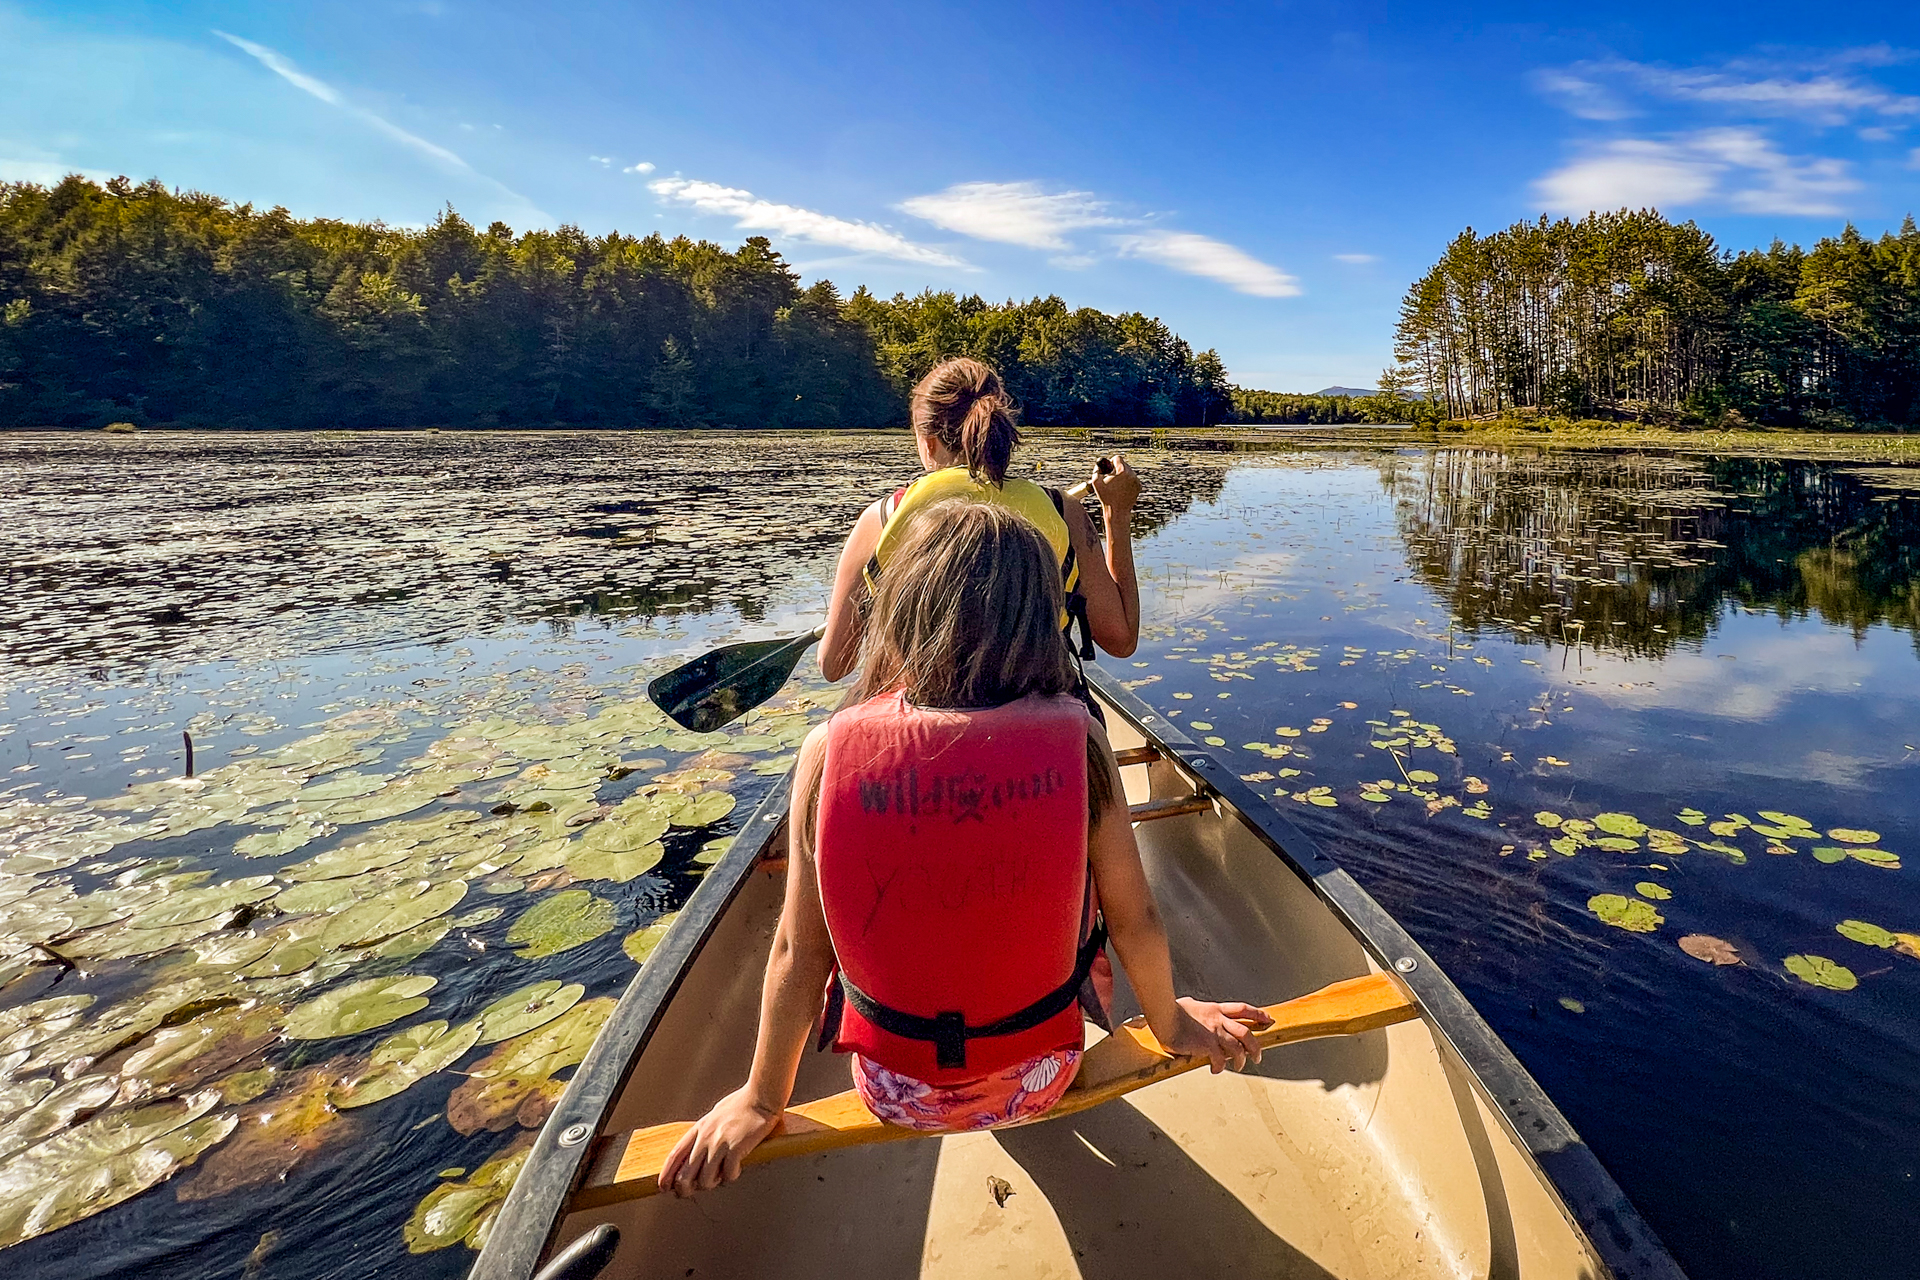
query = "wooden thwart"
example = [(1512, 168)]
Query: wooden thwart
[(626, 1165)]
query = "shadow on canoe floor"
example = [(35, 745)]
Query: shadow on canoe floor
[(1135, 1207)]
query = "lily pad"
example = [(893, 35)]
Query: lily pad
[(1625, 913), (641, 942), (1852, 835), (1860, 931), (463, 1212), (110, 1158), (1547, 818), (623, 832), (359, 1006), (1704, 946), (590, 863), (707, 808), (515, 1082), (1620, 824), (521, 1011), (1616, 844), (568, 919), (1657, 892), (1422, 775), (275, 1135), (395, 911), (1821, 972), (406, 1058)]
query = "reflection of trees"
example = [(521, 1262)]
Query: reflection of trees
[(1634, 552)]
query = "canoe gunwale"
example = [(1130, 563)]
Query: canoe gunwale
[(1586, 1193), (1572, 1173), (537, 1203)]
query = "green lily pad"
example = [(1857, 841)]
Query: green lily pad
[(1876, 858), (1860, 931), (359, 1006), (1657, 892), (625, 832), (1780, 819), (1830, 854), (415, 942), (395, 911), (1617, 844), (1376, 797), (203, 904), (1422, 775), (463, 1212), (344, 786), (407, 1057), (706, 809), (1620, 824), (277, 844), (515, 1082), (562, 922), (1571, 1005), (604, 864), (1782, 833), (1691, 817), (1852, 835), (108, 1159), (641, 942), (531, 1006), (1547, 818), (1819, 971), (1625, 913), (474, 919)]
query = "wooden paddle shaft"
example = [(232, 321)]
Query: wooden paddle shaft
[(626, 1166)]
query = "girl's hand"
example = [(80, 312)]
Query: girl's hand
[(1119, 488), (710, 1153), (1220, 1032)]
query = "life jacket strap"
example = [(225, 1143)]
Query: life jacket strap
[(948, 1030)]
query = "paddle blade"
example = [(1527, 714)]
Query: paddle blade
[(721, 686)]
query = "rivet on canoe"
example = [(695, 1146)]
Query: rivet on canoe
[(574, 1134), (1405, 964), (1202, 763)]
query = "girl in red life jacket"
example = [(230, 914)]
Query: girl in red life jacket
[(950, 829), (963, 427)]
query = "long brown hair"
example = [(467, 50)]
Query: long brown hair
[(964, 406), (968, 615)]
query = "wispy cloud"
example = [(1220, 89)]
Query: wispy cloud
[(1823, 92), (751, 213), (1356, 258), (602, 161), (1022, 213), (44, 172), (299, 79), (643, 166), (1737, 169), (1198, 255)]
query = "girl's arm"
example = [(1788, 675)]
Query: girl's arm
[(1107, 580), (1221, 1032), (710, 1153), (840, 646)]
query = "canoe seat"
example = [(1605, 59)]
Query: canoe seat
[(624, 1166)]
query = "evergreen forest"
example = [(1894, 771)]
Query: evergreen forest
[(1630, 316), (148, 305)]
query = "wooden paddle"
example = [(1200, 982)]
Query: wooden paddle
[(626, 1166), (718, 687)]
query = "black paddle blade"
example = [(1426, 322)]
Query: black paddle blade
[(721, 686)]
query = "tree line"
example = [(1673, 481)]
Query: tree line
[(1628, 315), (135, 302)]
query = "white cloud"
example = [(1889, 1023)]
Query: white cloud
[(602, 161), (750, 213), (1739, 169), (642, 167), (285, 69), (1356, 258), (1581, 95), (1812, 91), (1198, 255), (1021, 213), (45, 173)]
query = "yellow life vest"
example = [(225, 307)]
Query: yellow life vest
[(1045, 508)]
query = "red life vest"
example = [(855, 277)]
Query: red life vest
[(952, 856)]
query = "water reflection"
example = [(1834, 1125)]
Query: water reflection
[(1636, 554)]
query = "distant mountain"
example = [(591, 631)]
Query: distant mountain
[(1346, 391)]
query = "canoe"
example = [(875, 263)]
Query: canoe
[(1395, 1135)]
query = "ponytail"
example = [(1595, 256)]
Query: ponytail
[(963, 405)]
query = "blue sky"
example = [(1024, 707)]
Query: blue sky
[(1267, 179)]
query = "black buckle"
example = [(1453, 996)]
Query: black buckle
[(950, 1039)]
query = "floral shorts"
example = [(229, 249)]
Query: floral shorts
[(1021, 1092)]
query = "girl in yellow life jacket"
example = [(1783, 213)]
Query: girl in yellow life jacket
[(963, 425), (949, 832)]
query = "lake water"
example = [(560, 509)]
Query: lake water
[(1521, 694)]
